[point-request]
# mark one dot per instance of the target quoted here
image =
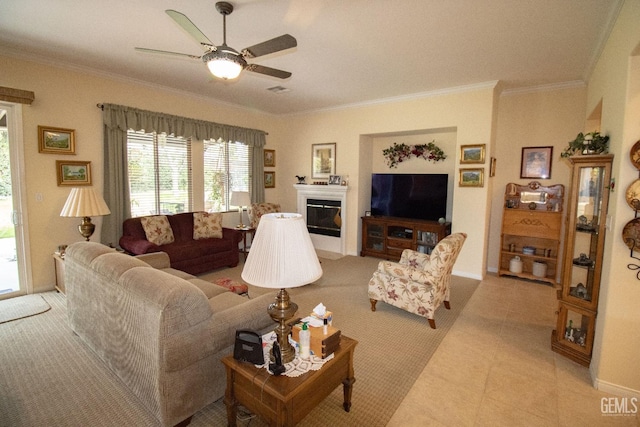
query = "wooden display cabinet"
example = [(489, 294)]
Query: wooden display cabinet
[(387, 237), (582, 267), (531, 230)]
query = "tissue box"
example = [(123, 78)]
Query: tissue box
[(321, 345), (327, 315)]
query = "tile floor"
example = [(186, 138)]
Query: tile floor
[(496, 368)]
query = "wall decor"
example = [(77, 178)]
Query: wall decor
[(536, 162), (471, 177), (56, 140), (269, 180), (398, 153), (323, 160), (73, 173), (472, 153), (335, 179), (492, 167), (269, 158)]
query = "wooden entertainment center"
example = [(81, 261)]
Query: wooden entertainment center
[(387, 237)]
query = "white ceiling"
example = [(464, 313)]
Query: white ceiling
[(349, 51)]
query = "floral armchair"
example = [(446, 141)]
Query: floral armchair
[(256, 210), (419, 283)]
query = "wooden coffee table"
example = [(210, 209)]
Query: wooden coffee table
[(282, 400)]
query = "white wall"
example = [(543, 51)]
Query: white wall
[(67, 98), (616, 84), (469, 111), (532, 119)]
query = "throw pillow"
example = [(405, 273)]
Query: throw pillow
[(157, 229), (207, 225)]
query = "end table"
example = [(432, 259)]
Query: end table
[(59, 267), (245, 231), (282, 400)]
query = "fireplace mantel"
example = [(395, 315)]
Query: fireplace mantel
[(326, 192)]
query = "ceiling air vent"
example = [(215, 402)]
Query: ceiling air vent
[(279, 89)]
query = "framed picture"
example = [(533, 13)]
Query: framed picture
[(73, 173), (56, 140), (269, 180), (323, 160), (472, 153), (471, 177), (335, 180), (367, 213), (269, 158), (492, 167), (536, 162)]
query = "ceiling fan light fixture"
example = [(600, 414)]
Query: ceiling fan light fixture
[(224, 64)]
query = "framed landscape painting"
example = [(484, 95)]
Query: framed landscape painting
[(471, 177), (73, 173), (472, 153), (56, 140)]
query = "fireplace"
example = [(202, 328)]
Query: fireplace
[(323, 217), (324, 208)]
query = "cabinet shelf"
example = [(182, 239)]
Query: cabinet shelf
[(387, 237), (584, 240), (539, 228)]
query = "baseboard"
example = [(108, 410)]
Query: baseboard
[(615, 389), (467, 275)]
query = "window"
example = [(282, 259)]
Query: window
[(226, 169), (159, 173)]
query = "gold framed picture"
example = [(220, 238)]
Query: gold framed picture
[(56, 140), (269, 158), (471, 177), (472, 153), (73, 173), (269, 180)]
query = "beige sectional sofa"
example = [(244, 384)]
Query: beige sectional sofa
[(162, 331)]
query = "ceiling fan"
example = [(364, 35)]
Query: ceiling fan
[(223, 61)]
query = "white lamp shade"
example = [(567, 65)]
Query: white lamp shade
[(282, 254), (84, 202), (240, 198)]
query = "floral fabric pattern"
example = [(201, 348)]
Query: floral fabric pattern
[(207, 225), (237, 287), (256, 210), (418, 283), (157, 229)]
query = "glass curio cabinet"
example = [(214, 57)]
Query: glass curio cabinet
[(585, 228)]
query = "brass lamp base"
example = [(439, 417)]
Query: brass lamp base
[(86, 228), (281, 311)]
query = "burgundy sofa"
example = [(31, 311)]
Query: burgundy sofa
[(185, 253)]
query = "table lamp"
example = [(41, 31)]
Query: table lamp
[(85, 203), (240, 199), (282, 256)]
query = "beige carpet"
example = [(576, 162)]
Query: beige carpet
[(21, 307), (50, 378)]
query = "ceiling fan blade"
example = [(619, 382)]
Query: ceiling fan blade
[(189, 27), (268, 71), (270, 46), (166, 52)]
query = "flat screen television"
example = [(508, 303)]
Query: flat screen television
[(415, 196)]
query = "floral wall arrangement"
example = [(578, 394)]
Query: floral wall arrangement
[(398, 153)]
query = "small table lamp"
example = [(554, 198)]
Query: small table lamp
[(240, 199), (282, 256), (84, 203)]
